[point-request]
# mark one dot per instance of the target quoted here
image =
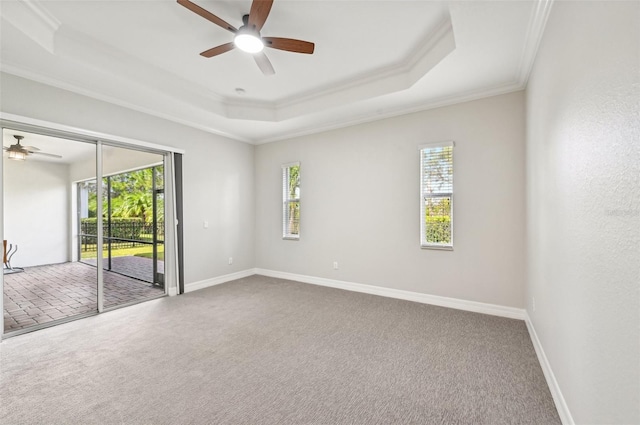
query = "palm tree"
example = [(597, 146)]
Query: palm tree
[(134, 193)]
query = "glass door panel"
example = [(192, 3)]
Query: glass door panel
[(131, 219), (44, 282)]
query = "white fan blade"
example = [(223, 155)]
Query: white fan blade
[(264, 63), (46, 154)]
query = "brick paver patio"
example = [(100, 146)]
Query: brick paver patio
[(42, 294), (138, 267)]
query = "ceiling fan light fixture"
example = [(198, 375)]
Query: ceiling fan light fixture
[(248, 42), (17, 155)]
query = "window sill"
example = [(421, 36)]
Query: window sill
[(291, 238), (438, 247)]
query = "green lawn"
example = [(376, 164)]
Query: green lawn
[(139, 251)]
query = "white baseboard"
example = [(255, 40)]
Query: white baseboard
[(194, 286), (477, 307), (561, 404), (172, 291)]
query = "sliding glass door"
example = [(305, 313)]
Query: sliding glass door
[(83, 226)]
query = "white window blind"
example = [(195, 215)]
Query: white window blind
[(291, 201), (436, 195)]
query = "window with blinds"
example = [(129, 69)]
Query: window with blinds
[(436, 195), (291, 201)]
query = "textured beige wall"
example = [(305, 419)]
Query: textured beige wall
[(360, 203), (583, 158)]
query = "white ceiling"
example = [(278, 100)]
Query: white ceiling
[(373, 59)]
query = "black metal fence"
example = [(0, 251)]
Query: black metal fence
[(121, 233)]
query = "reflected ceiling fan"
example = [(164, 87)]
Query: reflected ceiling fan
[(248, 37), (19, 152)]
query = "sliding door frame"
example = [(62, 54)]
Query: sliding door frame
[(173, 239), (100, 228)]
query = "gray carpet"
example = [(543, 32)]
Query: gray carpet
[(268, 351)]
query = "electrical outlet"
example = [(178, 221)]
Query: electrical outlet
[(230, 260), (335, 265)]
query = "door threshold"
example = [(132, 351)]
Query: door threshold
[(69, 319), (50, 324)]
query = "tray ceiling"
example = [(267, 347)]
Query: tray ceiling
[(373, 59)]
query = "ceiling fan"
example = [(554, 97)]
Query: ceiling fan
[(248, 38), (19, 152)]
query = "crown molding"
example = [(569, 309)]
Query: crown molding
[(438, 44), (363, 118), (535, 31), (115, 63), (41, 12), (78, 89), (31, 14), (393, 112), (401, 76), (413, 67)]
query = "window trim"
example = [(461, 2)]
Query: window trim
[(423, 243), (286, 200)]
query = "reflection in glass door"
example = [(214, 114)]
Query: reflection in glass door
[(43, 281)]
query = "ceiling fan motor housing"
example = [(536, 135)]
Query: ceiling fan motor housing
[(18, 147)]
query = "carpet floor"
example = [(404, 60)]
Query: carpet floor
[(261, 350)]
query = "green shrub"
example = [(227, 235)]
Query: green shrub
[(438, 229)]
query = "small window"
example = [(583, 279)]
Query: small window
[(436, 195), (291, 201)]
